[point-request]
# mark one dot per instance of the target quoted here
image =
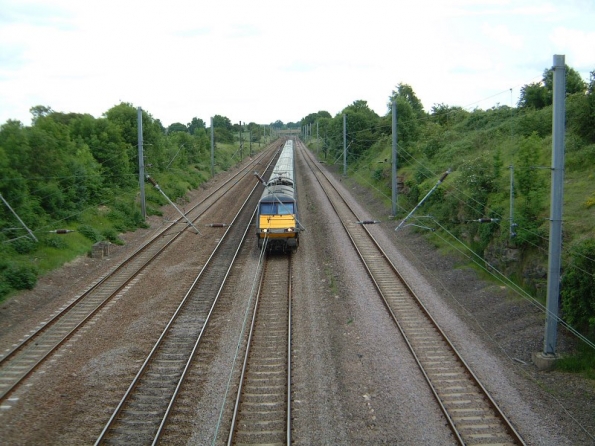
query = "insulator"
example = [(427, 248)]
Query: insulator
[(367, 222), (217, 225), (260, 178), (62, 231)]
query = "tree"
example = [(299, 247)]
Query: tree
[(177, 127), (574, 81), (534, 95), (40, 111), (125, 117), (222, 122), (540, 94), (406, 92), (578, 286), (105, 142), (313, 117), (223, 129), (195, 125), (583, 116), (444, 114), (362, 127)]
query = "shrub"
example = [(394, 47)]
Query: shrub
[(578, 286), (55, 242), (24, 245), (111, 235), (21, 277), (90, 232)]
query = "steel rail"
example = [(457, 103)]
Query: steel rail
[(266, 300), (144, 367), (455, 422), (66, 323)]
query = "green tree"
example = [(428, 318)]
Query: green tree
[(223, 129), (405, 92), (540, 94), (176, 127), (107, 146), (578, 286), (125, 117), (582, 116), (362, 127), (530, 188), (195, 125), (534, 95)]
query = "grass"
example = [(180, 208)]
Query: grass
[(583, 362)]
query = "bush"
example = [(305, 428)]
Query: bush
[(112, 236), (578, 286), (21, 277), (90, 232), (55, 242), (24, 245), (4, 288)]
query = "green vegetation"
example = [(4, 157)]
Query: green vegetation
[(483, 149), (74, 172)]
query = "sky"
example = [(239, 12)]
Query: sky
[(263, 60)]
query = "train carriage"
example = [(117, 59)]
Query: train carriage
[(277, 222)]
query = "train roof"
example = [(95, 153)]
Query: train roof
[(281, 183), (283, 170)]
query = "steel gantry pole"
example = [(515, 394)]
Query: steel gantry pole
[(394, 161), (212, 149), (344, 144), (141, 162), (557, 195)]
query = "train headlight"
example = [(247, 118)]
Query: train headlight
[(265, 230), (289, 230)]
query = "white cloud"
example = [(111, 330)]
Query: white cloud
[(268, 60), (578, 46)]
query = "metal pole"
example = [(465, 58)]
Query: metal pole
[(241, 145), (154, 183), (511, 199), (344, 144), (557, 195), (19, 218), (442, 178), (394, 160), (212, 149), (141, 163)]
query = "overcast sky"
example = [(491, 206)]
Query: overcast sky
[(264, 60)]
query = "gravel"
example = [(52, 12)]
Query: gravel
[(354, 382)]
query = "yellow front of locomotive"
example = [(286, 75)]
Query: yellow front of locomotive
[(277, 218)]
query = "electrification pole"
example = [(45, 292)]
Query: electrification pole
[(344, 144), (141, 163), (212, 149), (557, 195), (394, 160)]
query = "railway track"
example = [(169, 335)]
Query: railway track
[(22, 359), (473, 415), (142, 413), (262, 411)]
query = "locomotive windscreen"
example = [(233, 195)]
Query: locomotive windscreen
[(276, 208)]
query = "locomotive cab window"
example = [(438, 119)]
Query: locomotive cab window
[(276, 208)]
